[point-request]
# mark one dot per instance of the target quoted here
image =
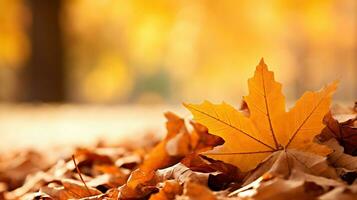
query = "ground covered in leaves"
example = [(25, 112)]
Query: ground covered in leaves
[(258, 152), (173, 169)]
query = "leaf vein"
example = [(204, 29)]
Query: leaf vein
[(223, 122)]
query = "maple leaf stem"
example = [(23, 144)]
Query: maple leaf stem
[(80, 175)]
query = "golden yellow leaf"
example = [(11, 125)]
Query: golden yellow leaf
[(269, 128)]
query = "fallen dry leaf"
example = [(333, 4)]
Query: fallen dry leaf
[(269, 128), (298, 186), (196, 191), (339, 159), (343, 113), (170, 189), (70, 189), (280, 189), (344, 132), (341, 193), (282, 163), (225, 173), (15, 167), (182, 174), (201, 140), (172, 148), (178, 143), (140, 184), (345, 164), (32, 183)]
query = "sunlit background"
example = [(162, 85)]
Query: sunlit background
[(164, 52)]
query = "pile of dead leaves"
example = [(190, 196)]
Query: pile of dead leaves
[(260, 151)]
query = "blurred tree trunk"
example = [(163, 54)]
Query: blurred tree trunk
[(44, 75)]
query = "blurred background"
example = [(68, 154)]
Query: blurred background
[(164, 52)]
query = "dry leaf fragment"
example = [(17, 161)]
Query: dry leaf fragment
[(112, 194), (140, 184), (32, 183), (226, 173), (204, 164), (109, 176), (339, 159), (182, 174), (178, 143), (196, 191), (269, 127), (326, 183), (343, 113), (345, 164), (280, 189), (282, 163), (201, 140), (172, 148), (170, 189), (14, 168), (128, 161), (35, 195), (344, 132), (341, 193), (70, 189), (298, 186)]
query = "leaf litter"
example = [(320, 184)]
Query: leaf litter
[(260, 151)]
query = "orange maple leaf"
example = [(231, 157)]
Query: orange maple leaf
[(269, 128)]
